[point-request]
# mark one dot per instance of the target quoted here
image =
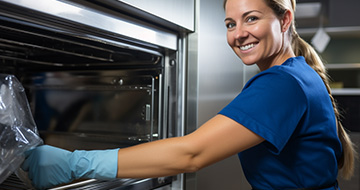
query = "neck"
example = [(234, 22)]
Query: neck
[(276, 59)]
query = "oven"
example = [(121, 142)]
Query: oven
[(95, 78)]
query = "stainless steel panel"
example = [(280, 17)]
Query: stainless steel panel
[(124, 26), (215, 77), (175, 11)]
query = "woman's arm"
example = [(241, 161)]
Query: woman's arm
[(215, 140)]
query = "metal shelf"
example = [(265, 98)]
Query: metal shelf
[(345, 91), (333, 31), (343, 66)]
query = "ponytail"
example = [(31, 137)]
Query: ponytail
[(301, 48)]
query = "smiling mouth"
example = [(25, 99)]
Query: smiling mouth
[(247, 47)]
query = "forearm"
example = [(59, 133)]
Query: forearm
[(155, 159)]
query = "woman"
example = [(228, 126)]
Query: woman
[(284, 124)]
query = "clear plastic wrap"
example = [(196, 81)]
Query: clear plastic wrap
[(18, 132)]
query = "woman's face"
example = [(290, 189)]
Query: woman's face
[(253, 32)]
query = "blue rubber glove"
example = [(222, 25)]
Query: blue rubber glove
[(48, 166)]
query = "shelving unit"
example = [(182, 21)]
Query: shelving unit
[(342, 57)]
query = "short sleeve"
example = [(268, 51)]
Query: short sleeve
[(271, 105)]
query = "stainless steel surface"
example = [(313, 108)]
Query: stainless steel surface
[(178, 12), (123, 26), (180, 92), (215, 77)]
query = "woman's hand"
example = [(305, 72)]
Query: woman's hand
[(48, 166)]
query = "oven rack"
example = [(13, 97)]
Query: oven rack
[(14, 183)]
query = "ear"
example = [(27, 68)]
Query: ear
[(286, 21)]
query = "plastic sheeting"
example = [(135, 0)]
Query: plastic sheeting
[(18, 132)]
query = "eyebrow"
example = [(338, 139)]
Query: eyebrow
[(244, 15)]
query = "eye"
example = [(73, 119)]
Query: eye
[(251, 19), (230, 25)]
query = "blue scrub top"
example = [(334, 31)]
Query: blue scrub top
[(289, 106)]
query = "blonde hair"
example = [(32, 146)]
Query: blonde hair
[(302, 48)]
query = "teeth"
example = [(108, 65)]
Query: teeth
[(246, 47)]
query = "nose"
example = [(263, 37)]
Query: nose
[(240, 32)]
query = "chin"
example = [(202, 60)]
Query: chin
[(248, 62)]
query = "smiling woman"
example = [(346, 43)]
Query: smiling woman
[(283, 125)]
